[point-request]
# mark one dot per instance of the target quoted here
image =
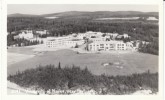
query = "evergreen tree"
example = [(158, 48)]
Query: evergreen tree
[(76, 46), (59, 65)]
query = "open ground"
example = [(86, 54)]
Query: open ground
[(132, 62)]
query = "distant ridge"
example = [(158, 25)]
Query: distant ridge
[(21, 15), (90, 14)]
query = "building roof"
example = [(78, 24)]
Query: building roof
[(105, 42), (119, 36), (75, 39)]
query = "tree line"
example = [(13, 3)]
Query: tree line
[(56, 77)]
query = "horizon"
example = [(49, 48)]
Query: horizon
[(40, 9), (80, 11)]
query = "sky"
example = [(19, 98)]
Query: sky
[(39, 9)]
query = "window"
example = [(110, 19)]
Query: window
[(101, 45)]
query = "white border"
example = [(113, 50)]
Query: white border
[(88, 97)]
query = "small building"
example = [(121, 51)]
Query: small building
[(42, 32), (119, 37), (89, 34), (152, 18), (113, 35), (125, 35), (129, 46), (14, 32), (16, 37)]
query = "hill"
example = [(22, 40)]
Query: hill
[(97, 14), (21, 15)]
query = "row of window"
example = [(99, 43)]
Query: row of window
[(120, 44), (111, 45), (105, 49)]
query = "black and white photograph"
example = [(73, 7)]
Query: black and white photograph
[(82, 49)]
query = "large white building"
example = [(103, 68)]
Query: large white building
[(98, 39), (107, 46), (26, 34), (74, 42), (55, 41), (81, 35), (66, 41)]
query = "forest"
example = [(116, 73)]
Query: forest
[(76, 22), (54, 77)]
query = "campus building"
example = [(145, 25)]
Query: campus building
[(55, 41), (26, 34), (74, 42), (81, 35), (66, 41), (107, 46), (152, 18), (90, 34), (42, 32), (98, 39)]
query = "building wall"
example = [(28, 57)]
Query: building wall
[(62, 41), (42, 32), (98, 39), (81, 36), (71, 43), (26, 35), (106, 46)]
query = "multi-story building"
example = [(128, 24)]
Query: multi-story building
[(55, 41), (98, 39), (26, 34), (66, 41), (74, 42), (81, 35), (107, 46)]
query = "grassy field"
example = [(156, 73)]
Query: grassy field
[(21, 50), (131, 62)]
